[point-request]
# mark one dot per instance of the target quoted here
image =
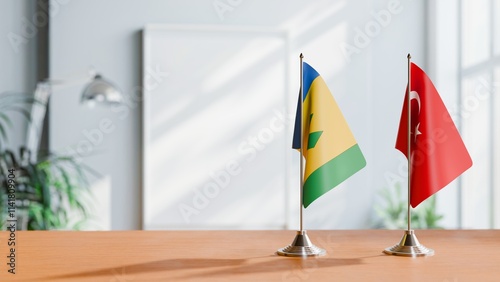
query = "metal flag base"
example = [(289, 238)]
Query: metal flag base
[(409, 247), (301, 247)]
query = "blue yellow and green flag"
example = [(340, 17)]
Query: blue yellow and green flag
[(331, 153)]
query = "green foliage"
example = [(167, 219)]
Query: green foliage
[(48, 189), (393, 213)]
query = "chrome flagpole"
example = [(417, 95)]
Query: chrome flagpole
[(301, 245), (409, 245), (301, 173)]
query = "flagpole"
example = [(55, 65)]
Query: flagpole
[(301, 100), (409, 246), (301, 245), (409, 139)]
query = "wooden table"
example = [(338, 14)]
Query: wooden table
[(356, 255)]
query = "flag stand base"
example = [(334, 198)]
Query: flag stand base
[(301, 247), (409, 247)]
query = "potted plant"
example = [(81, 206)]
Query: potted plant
[(50, 193), (392, 214)]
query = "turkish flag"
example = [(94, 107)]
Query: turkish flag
[(438, 154)]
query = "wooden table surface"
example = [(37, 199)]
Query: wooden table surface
[(354, 255)]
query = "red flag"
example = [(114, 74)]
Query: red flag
[(438, 154)]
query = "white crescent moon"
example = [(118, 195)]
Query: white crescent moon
[(414, 95)]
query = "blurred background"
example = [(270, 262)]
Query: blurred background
[(201, 136)]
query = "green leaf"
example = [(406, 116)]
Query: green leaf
[(55, 185)]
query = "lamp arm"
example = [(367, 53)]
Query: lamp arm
[(38, 111), (99, 87), (76, 80)]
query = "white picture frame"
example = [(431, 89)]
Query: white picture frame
[(208, 93)]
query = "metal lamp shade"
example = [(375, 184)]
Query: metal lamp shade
[(101, 91)]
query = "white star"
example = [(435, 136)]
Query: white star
[(417, 132)]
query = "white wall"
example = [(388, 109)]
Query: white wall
[(369, 86), (17, 57)]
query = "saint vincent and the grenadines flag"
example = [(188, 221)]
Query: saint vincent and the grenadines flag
[(331, 153)]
